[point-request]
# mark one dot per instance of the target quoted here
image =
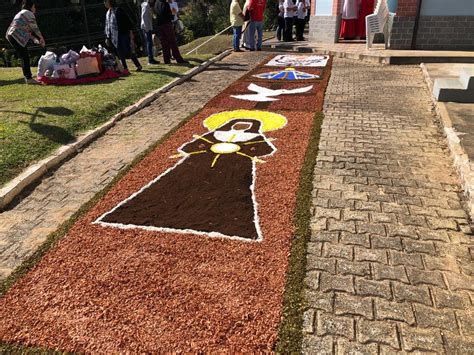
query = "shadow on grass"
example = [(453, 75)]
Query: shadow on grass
[(11, 82), (53, 133)]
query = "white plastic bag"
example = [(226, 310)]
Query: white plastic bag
[(46, 63), (64, 71), (70, 57)]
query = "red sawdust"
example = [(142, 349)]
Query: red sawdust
[(103, 289)]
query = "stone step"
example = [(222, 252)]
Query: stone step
[(459, 89)]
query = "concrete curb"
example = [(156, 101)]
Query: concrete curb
[(460, 157), (36, 171)]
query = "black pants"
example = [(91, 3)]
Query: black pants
[(168, 42), (280, 27), (288, 35), (24, 55), (300, 23)]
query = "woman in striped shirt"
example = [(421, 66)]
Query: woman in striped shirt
[(23, 29)]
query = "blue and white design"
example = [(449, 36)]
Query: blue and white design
[(287, 74)]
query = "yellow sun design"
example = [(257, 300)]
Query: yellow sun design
[(270, 121)]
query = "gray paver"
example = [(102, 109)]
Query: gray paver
[(56, 198), (386, 195)]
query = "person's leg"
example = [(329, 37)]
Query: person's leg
[(122, 50), (252, 35), (259, 35), (280, 28), (299, 31), (24, 56), (149, 46), (165, 45), (287, 33), (172, 43), (236, 39)]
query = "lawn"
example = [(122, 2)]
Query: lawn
[(35, 120)]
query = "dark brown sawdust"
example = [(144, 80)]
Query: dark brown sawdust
[(109, 290)]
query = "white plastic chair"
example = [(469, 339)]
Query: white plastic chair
[(381, 21)]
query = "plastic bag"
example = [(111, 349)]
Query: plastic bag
[(64, 71), (46, 63), (70, 57)]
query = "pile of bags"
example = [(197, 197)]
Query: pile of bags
[(87, 63)]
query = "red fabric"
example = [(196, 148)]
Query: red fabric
[(108, 74), (257, 8), (366, 8), (348, 28)]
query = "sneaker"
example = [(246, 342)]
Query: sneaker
[(238, 50), (153, 62), (32, 81), (139, 69), (259, 49)]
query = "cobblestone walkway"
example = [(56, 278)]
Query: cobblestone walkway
[(390, 260), (26, 226)]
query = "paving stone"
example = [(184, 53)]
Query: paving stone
[(338, 251), (466, 320), (445, 299), (345, 267), (346, 347), (319, 300), (379, 242), (389, 160), (416, 294), (355, 239), (415, 246), (394, 311), (363, 254), (336, 283), (366, 287), (353, 305), (377, 331), (418, 277), (315, 248), (329, 324), (384, 272), (308, 321), (314, 344), (402, 258), (428, 317), (323, 264), (456, 344), (312, 279), (421, 339)]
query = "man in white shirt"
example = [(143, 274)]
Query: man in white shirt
[(300, 19), (147, 28), (290, 8)]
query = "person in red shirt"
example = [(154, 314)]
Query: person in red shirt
[(257, 9)]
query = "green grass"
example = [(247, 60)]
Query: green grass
[(290, 334), (35, 120)]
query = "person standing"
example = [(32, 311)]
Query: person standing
[(350, 13), (289, 13), (23, 29), (119, 33), (300, 20), (147, 28), (280, 20), (246, 28), (257, 9), (237, 21), (366, 8), (164, 22)]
